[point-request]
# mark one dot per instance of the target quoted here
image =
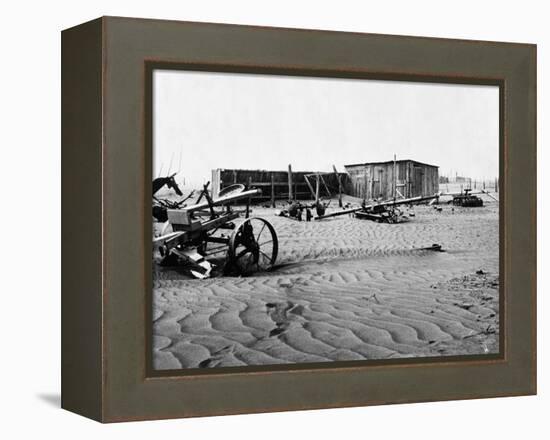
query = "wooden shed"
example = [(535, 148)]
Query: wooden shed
[(377, 180)]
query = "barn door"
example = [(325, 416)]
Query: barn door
[(417, 181), (376, 189)]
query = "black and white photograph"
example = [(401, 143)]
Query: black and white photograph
[(301, 220), (231, 220)]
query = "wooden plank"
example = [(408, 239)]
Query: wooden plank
[(290, 182), (268, 184), (374, 205), (272, 190), (309, 185), (365, 185), (223, 200), (247, 212), (338, 213), (216, 183), (371, 183), (339, 180), (325, 185), (394, 177), (280, 195), (317, 188)]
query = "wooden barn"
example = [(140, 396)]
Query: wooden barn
[(400, 178)]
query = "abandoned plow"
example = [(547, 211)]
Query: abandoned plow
[(199, 234), (382, 212)]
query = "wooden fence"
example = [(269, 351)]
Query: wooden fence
[(282, 185)]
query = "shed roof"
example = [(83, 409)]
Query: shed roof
[(390, 162)]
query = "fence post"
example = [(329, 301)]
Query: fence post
[(339, 185), (317, 188), (290, 183), (272, 190)]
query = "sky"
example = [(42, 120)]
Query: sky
[(206, 120)]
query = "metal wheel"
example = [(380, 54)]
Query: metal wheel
[(253, 246)]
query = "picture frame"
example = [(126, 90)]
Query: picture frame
[(106, 204)]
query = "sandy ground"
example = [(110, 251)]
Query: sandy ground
[(346, 289)]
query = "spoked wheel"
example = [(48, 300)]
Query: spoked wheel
[(253, 247)]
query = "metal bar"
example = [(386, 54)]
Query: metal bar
[(214, 223), (222, 240)]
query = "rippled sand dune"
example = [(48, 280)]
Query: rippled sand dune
[(346, 289)]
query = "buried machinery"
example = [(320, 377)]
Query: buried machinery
[(466, 199), (385, 212), (199, 233), (161, 205)]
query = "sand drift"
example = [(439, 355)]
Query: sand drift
[(342, 289)]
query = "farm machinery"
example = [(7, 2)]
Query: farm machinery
[(297, 209), (214, 234), (381, 212), (467, 199)]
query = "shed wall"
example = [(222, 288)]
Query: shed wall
[(376, 180)]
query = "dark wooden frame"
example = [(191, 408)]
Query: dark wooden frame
[(106, 175)]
